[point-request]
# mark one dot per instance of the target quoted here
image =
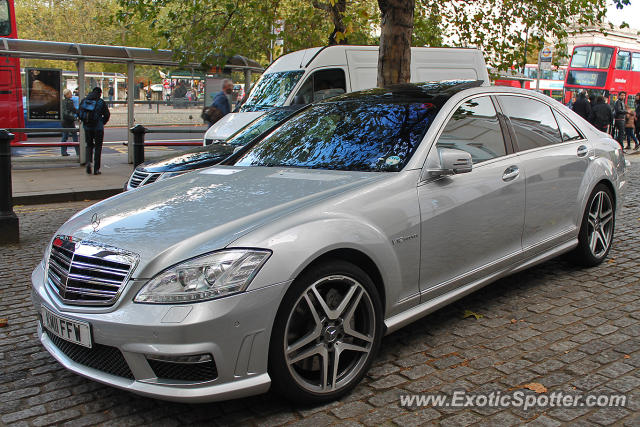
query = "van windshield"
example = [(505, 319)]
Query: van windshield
[(272, 90)]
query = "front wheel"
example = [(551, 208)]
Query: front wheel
[(327, 332), (596, 232)]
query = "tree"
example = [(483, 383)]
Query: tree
[(394, 59), (498, 27)]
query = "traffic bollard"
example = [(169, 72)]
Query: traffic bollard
[(138, 132), (9, 224)]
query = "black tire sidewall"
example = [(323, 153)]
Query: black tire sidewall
[(281, 378), (582, 254)]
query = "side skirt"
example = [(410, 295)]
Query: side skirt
[(400, 320)]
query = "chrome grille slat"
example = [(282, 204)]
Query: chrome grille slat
[(88, 273), (85, 266), (94, 281)]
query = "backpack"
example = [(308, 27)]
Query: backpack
[(89, 113)]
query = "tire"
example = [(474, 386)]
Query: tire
[(330, 313), (596, 231)]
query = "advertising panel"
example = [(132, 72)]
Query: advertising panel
[(44, 94)]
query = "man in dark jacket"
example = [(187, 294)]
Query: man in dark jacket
[(94, 114), (601, 115), (582, 106), (68, 121), (221, 105), (619, 116)]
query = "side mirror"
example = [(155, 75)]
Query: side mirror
[(452, 162)]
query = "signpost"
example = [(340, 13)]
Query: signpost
[(544, 62)]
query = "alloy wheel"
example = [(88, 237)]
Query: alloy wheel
[(600, 224), (329, 334)]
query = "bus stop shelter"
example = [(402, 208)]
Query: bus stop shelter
[(132, 56)]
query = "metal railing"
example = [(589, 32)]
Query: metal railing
[(139, 132), (44, 130)]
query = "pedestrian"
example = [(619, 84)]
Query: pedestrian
[(601, 115), (69, 114), (571, 101), (630, 127), (94, 114), (619, 116), (582, 106), (221, 105), (110, 92), (149, 95), (638, 115)]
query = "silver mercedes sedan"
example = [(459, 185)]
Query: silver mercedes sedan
[(286, 265)]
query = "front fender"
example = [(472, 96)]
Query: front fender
[(299, 245)]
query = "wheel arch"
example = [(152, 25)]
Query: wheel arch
[(357, 258)]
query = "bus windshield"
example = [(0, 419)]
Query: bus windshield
[(5, 19), (592, 57)]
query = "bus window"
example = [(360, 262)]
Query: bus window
[(592, 57), (623, 60), (635, 61), (5, 19)]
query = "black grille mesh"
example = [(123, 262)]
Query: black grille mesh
[(101, 357), (205, 371)]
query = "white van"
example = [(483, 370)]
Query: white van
[(314, 74)]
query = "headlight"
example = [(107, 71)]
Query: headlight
[(207, 277)]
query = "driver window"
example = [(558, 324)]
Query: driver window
[(5, 21), (474, 128), (321, 85)]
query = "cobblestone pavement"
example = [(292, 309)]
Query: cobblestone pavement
[(569, 329)]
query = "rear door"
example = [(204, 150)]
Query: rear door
[(555, 163), (471, 223)]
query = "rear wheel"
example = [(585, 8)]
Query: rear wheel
[(327, 332), (596, 231)]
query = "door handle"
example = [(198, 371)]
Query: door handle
[(583, 150), (511, 173)]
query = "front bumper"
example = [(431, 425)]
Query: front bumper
[(234, 330)]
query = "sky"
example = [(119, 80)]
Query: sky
[(630, 14)]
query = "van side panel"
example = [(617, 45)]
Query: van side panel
[(446, 64), (363, 67)]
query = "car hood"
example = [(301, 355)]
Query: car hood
[(230, 124), (194, 158), (192, 214)]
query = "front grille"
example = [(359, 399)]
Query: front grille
[(140, 178), (88, 273), (101, 357), (204, 371)]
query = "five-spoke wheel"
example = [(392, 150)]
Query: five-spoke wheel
[(596, 232), (326, 333)]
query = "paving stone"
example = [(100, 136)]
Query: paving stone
[(351, 410)]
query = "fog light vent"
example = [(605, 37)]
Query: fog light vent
[(195, 368)]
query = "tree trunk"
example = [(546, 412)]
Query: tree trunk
[(394, 58)]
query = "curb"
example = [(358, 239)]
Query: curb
[(74, 196)]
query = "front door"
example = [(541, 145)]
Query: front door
[(471, 223)]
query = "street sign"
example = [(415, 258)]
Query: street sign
[(546, 54)]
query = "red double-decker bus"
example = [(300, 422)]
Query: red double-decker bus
[(11, 111), (603, 70)]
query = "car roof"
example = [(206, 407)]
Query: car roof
[(408, 92)]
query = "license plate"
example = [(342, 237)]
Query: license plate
[(68, 329)]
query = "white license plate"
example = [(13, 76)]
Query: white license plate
[(68, 329)]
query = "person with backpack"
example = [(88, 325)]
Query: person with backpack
[(94, 114)]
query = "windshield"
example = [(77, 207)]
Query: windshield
[(272, 90), (258, 127), (592, 57), (352, 136)]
